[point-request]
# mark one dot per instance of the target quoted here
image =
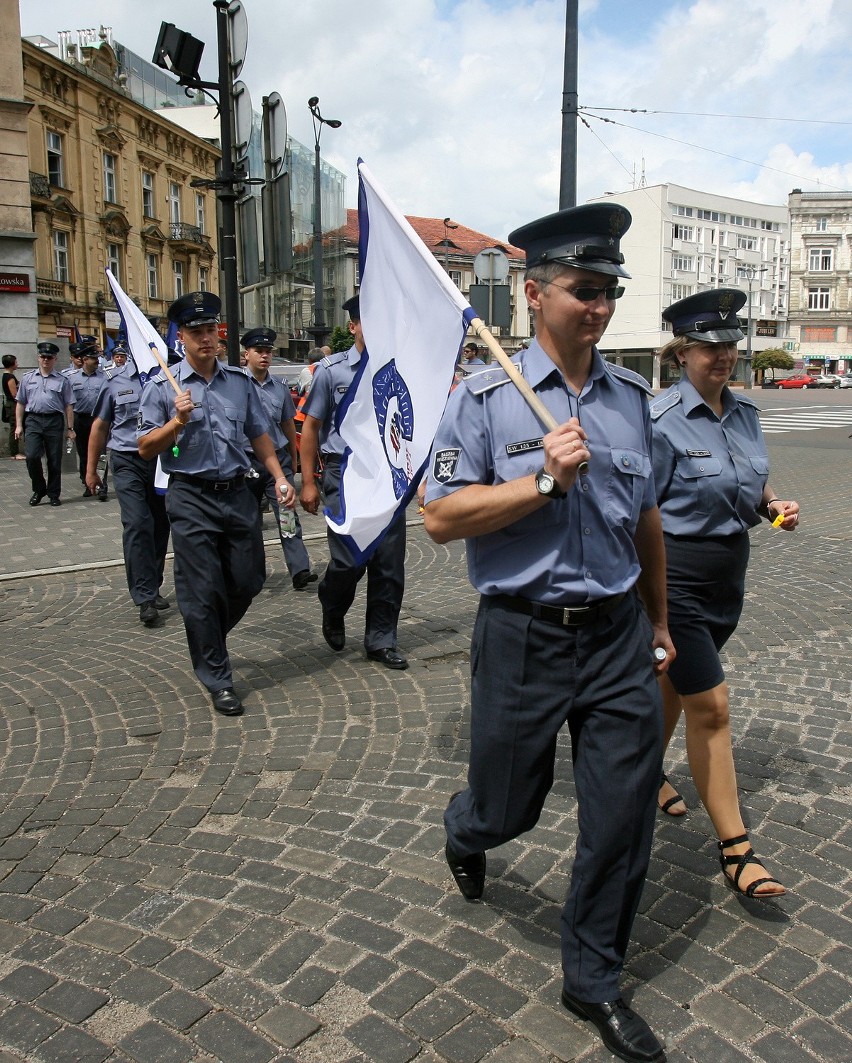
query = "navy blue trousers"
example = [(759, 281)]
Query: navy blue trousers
[(43, 437), (145, 525), (529, 678)]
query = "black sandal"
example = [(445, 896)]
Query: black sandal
[(741, 860), (666, 807)]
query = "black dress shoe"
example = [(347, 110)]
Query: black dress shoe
[(36, 497), (302, 579), (86, 492), (103, 494), (468, 871), (56, 501), (148, 614), (334, 632), (623, 1032), (390, 658), (226, 702), (160, 602)]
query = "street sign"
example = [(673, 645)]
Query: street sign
[(242, 119), (491, 265), (237, 36)]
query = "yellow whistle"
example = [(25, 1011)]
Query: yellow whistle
[(779, 520)]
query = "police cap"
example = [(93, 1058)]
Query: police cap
[(48, 349), (194, 309), (353, 307), (710, 317), (259, 337), (84, 345), (585, 237)]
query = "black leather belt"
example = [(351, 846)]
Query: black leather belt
[(211, 485), (565, 617)]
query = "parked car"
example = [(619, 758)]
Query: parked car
[(846, 381), (804, 381), (288, 371), (827, 380)]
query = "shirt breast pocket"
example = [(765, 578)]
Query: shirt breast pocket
[(700, 475), (629, 472), (235, 420)]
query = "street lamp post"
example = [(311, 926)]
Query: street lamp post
[(447, 226), (750, 272), (319, 330)]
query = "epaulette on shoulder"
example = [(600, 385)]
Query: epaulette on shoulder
[(629, 377), (743, 401), (486, 379), (667, 401), (333, 359)]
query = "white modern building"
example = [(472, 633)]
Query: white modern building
[(820, 270), (684, 241)]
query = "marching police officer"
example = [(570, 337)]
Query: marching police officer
[(200, 433), (562, 528), (278, 403), (86, 383), (145, 524), (386, 568), (47, 399)]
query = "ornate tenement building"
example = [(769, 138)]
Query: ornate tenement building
[(110, 186)]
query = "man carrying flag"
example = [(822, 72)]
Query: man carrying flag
[(386, 567)]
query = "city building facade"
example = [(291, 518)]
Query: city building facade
[(820, 270), (684, 241)]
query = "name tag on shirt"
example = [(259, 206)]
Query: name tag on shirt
[(524, 445), (699, 454)]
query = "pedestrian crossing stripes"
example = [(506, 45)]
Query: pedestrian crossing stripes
[(811, 420)]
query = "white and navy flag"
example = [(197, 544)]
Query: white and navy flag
[(414, 321), (139, 331)]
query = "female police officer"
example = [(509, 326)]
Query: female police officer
[(710, 469)]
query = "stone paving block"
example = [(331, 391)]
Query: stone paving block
[(824, 1039), (58, 920), (154, 1042), (437, 963), (244, 997), (402, 994), (780, 1009), (520, 1051), (366, 934), (779, 1048), (436, 1015), (288, 1026), (26, 983), (380, 1041), (111, 937), (141, 987), (718, 1012), (149, 950), (70, 1045), (309, 985), (188, 969), (188, 919), (24, 1028), (369, 974), (283, 962), (471, 1040), (787, 969), (179, 1009), (702, 1043), (489, 993), (555, 1031), (227, 1039)]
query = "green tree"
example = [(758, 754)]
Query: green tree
[(772, 358), (341, 339)]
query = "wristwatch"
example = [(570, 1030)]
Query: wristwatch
[(546, 485)]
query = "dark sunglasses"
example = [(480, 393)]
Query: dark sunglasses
[(588, 294)]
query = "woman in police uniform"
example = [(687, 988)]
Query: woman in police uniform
[(711, 469)]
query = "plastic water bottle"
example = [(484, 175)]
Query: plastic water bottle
[(69, 446), (288, 522)]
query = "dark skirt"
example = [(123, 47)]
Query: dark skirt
[(706, 585)]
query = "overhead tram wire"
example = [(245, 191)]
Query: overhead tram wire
[(715, 114)]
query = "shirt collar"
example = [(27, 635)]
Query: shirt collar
[(538, 366), (184, 371), (691, 399)]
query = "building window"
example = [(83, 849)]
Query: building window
[(682, 212), (110, 162), (55, 166), (683, 232), (712, 215), (199, 211), (148, 194), (203, 279), (821, 225), (819, 298), (114, 260), (820, 260), (681, 291), (177, 271), (684, 263), (174, 202), (746, 243), (60, 256), (152, 268), (456, 277)]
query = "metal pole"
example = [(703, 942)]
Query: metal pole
[(747, 374), (226, 192), (319, 329), (568, 176)]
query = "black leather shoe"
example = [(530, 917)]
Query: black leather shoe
[(56, 501), (226, 702), (623, 1032), (390, 658), (148, 614), (334, 632), (35, 498), (86, 492), (103, 494), (468, 871), (302, 579), (160, 602)]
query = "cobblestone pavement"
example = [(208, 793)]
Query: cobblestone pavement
[(178, 886)]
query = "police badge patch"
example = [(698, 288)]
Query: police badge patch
[(444, 467)]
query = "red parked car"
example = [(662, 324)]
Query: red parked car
[(803, 381)]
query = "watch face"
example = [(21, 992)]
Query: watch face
[(545, 482)]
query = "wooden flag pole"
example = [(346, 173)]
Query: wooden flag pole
[(166, 369)]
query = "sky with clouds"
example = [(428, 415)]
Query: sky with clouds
[(455, 105)]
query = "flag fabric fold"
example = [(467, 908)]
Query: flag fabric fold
[(414, 321)]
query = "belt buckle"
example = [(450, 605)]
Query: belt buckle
[(574, 617), (221, 485)]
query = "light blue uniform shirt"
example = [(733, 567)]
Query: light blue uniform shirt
[(212, 445), (118, 406), (709, 471), (277, 401), (332, 378), (87, 387), (45, 394), (575, 550)]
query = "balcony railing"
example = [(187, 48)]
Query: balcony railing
[(53, 290), (181, 230)]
